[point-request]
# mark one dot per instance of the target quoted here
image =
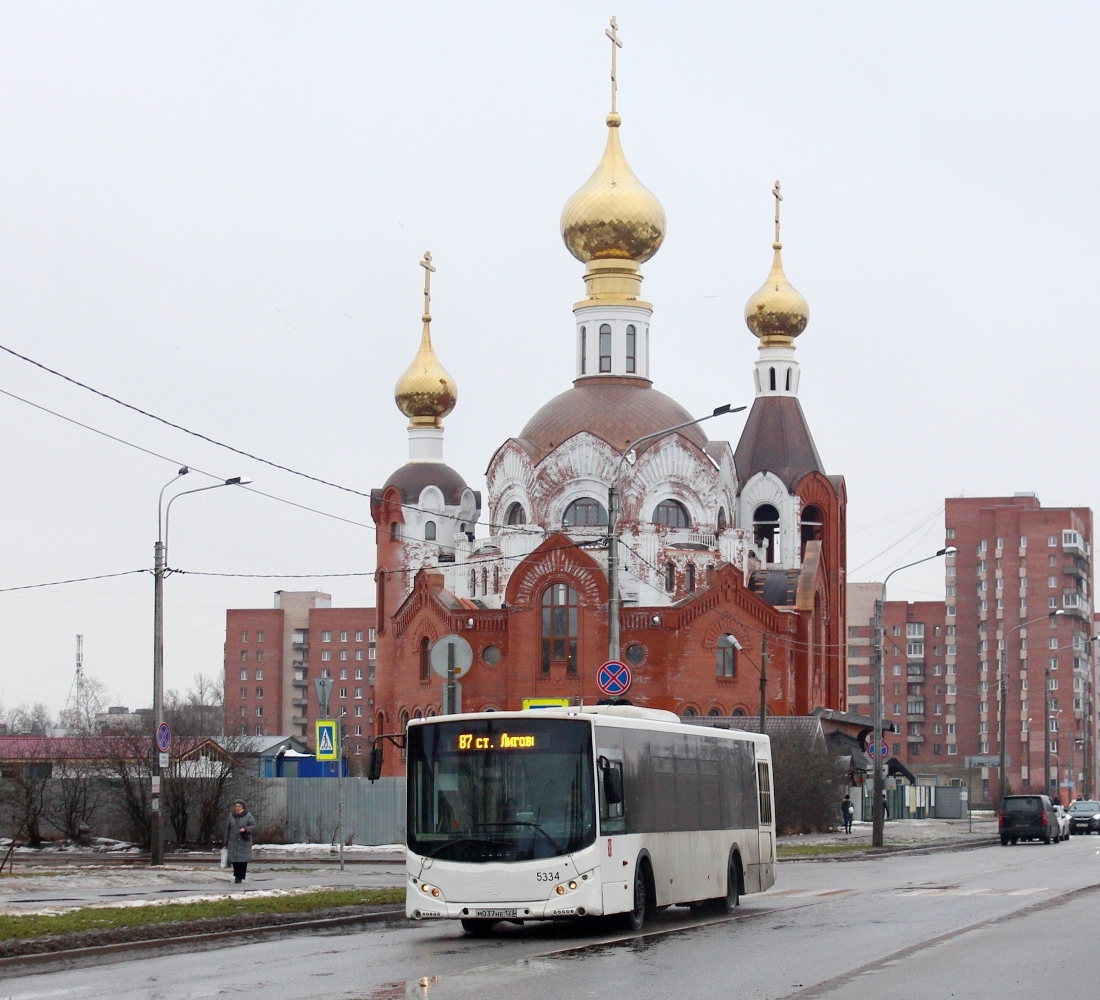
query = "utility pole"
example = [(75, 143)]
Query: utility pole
[(876, 808), (1046, 732), (156, 842), (764, 683), (614, 506)]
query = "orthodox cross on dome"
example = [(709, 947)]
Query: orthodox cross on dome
[(613, 34), (426, 263), (778, 199)]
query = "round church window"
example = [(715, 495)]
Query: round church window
[(491, 655), (635, 653)]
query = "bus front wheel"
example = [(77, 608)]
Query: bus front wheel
[(635, 919)]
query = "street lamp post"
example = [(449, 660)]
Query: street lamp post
[(160, 558), (762, 670), (877, 810), (1046, 709), (614, 493), (1002, 688)]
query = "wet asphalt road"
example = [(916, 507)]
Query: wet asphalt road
[(975, 923)]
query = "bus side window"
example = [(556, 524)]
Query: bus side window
[(612, 805), (764, 786)]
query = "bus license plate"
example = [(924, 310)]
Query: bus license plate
[(496, 914)]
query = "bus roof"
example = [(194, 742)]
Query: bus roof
[(618, 716)]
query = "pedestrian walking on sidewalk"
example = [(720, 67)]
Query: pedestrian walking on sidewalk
[(847, 812), (238, 839)]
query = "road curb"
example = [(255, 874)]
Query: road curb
[(76, 956), (886, 852)]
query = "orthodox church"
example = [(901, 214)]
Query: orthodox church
[(731, 561)]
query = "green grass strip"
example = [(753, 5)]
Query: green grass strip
[(103, 918), (813, 850)]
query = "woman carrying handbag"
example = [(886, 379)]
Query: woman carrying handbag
[(238, 839)]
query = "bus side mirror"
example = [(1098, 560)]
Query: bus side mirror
[(612, 781), (374, 765)]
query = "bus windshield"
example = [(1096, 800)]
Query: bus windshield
[(500, 790)]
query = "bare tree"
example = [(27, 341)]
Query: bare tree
[(127, 761), (79, 716), (30, 720), (77, 787), (808, 784), (25, 789)]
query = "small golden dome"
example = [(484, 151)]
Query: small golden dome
[(613, 215), (777, 313), (426, 393)]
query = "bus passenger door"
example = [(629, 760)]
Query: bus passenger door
[(616, 878), (766, 832)]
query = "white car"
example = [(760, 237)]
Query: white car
[(1063, 822)]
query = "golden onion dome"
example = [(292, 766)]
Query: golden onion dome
[(777, 313), (425, 393), (613, 216)]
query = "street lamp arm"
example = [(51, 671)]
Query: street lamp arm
[(613, 492), (949, 551), (718, 411), (234, 481)]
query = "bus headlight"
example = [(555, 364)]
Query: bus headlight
[(431, 890), (572, 885), (560, 890)]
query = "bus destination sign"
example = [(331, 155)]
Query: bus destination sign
[(507, 741)]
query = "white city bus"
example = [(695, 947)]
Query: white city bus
[(587, 812)]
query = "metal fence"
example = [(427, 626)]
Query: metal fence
[(373, 813)]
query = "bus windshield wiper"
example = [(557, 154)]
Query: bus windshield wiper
[(480, 841), (534, 826)]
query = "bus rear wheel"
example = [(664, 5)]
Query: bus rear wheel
[(478, 928), (733, 882)]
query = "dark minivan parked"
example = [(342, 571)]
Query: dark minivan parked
[(1028, 817)]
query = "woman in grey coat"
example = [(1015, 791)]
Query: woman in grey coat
[(238, 838)]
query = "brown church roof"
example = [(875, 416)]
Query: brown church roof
[(776, 439), (615, 409)]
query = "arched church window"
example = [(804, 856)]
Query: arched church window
[(559, 628), (670, 577), (404, 719), (722, 519), (584, 351), (429, 531), (714, 713), (788, 380), (765, 531), (473, 583), (425, 659), (726, 656), (585, 513), (671, 514), (813, 524), (631, 349), (496, 578), (738, 713), (689, 713), (605, 347), (417, 714), (689, 578), (484, 580), (771, 378), (516, 514), (393, 531)]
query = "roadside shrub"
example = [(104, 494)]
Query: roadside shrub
[(808, 784)]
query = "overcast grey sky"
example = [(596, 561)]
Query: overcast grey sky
[(216, 211)]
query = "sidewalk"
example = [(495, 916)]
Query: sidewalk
[(904, 832)]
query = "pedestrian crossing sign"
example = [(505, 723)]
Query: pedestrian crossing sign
[(326, 740)]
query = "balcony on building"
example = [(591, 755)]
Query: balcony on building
[(300, 639), (1074, 544), (1076, 603), (914, 671), (1078, 568)]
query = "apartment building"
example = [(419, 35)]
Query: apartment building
[(273, 655), (1018, 592)]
